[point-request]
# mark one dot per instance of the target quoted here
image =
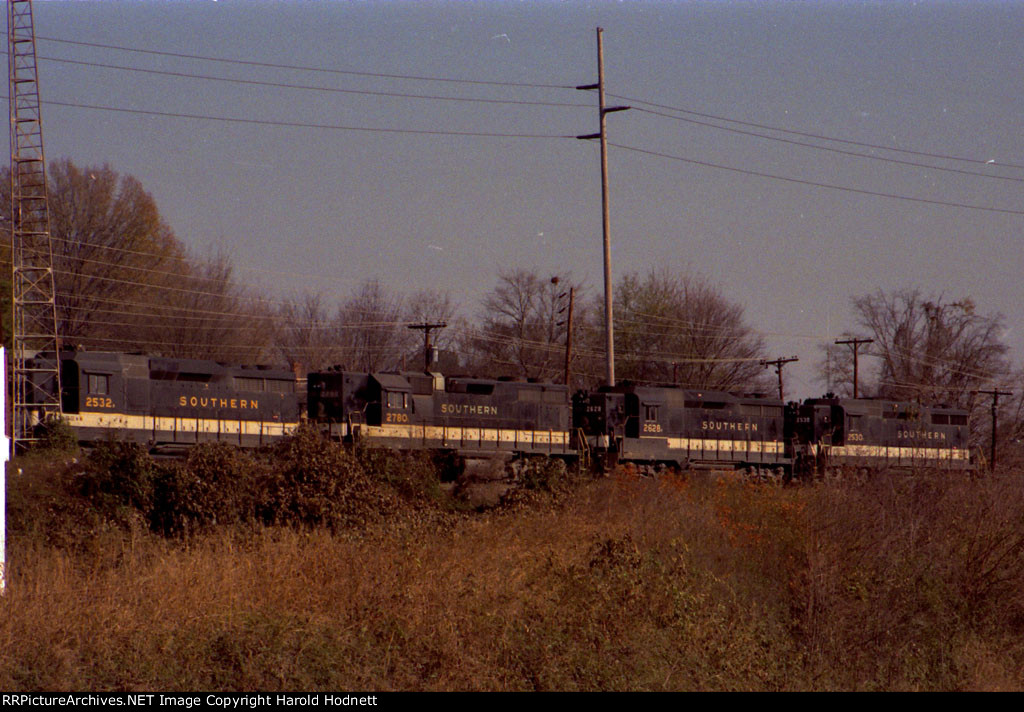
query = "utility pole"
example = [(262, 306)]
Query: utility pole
[(995, 393), (603, 111), (427, 327), (568, 334), (779, 363), (855, 343), (36, 391), (568, 323)]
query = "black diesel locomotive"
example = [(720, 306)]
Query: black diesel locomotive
[(657, 427), (420, 411), (166, 402), (875, 434), (169, 402)]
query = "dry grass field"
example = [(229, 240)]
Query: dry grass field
[(618, 583)]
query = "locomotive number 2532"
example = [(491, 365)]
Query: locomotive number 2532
[(97, 402)]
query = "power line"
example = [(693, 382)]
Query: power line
[(306, 87), (840, 151), (292, 124), (830, 186), (822, 137), (252, 63), (189, 261)]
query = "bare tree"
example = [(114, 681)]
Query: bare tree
[(926, 349), (1010, 420), (305, 334), (522, 330), (679, 329), (204, 313), (836, 368), (431, 306), (371, 332)]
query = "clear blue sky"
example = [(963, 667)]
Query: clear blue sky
[(321, 209)]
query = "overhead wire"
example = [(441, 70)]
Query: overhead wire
[(326, 70), (830, 186), (303, 125), (632, 100), (830, 149), (823, 137), (504, 339), (282, 85), (538, 136), (188, 260)]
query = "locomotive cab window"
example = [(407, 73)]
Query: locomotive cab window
[(650, 412), (99, 384), (397, 400)]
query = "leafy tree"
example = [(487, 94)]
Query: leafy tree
[(125, 282), (110, 247)]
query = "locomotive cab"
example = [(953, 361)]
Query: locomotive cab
[(600, 416), (392, 402)]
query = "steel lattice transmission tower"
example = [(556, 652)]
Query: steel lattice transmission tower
[(36, 393)]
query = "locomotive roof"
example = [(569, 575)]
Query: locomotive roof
[(674, 393), (118, 362), (392, 381), (880, 406)]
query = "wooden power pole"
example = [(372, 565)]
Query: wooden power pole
[(568, 335), (855, 343), (779, 363), (426, 328), (995, 393)]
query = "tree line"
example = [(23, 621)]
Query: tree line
[(126, 282)]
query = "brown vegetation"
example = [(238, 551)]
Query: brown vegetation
[(621, 583)]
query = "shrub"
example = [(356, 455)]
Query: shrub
[(903, 577), (217, 485), (415, 477), (543, 473), (118, 475), (315, 482), (55, 435)]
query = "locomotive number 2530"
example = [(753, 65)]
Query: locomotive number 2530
[(96, 402)]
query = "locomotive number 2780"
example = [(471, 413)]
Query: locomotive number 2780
[(96, 402)]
